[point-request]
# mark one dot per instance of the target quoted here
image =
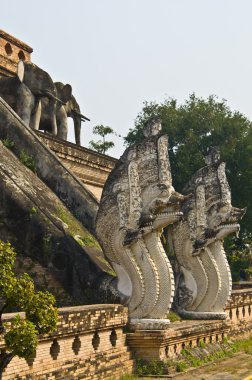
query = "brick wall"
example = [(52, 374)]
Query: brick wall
[(239, 311), (162, 345), (11, 51), (89, 343)]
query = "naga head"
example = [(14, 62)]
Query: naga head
[(209, 212), (161, 204)]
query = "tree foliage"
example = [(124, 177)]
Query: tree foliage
[(19, 292), (240, 256), (195, 126), (21, 339), (102, 146)]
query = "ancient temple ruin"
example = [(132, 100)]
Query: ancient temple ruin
[(56, 216), (138, 201), (12, 50)]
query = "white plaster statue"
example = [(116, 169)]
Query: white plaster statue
[(203, 284), (138, 201)]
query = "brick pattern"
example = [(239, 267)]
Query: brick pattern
[(90, 167), (239, 311), (11, 51), (89, 343), (161, 345)]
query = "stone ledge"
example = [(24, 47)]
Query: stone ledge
[(15, 41), (160, 345), (83, 319)]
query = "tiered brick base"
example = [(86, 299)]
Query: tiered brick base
[(90, 343), (161, 345)]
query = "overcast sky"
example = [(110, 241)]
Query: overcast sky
[(118, 53)]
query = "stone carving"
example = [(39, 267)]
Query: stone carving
[(138, 200), (24, 92), (204, 282), (40, 103), (148, 324), (68, 107), (19, 97), (41, 85)]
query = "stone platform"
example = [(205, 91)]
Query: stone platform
[(90, 342), (164, 344)]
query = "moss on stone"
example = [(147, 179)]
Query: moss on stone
[(173, 317), (76, 229), (47, 245), (27, 160), (8, 143)]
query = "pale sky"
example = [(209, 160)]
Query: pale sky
[(118, 53)]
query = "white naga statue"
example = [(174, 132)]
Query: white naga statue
[(137, 202), (203, 281)]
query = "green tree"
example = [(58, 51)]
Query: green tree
[(102, 146), (240, 256), (195, 126), (40, 311)]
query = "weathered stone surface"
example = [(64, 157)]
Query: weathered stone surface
[(41, 227), (203, 279), (138, 200), (49, 168), (239, 311), (92, 168)]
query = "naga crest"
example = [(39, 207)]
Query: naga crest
[(204, 281), (138, 200)]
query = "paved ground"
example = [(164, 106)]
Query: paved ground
[(239, 367)]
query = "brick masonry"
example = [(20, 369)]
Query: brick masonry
[(161, 345), (89, 343), (239, 311), (91, 167), (11, 51)]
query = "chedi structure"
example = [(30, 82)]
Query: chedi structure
[(138, 201)]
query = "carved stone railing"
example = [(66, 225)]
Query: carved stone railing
[(239, 307), (89, 343), (161, 345), (90, 340), (166, 344)]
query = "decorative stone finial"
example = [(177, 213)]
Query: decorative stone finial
[(152, 127)]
